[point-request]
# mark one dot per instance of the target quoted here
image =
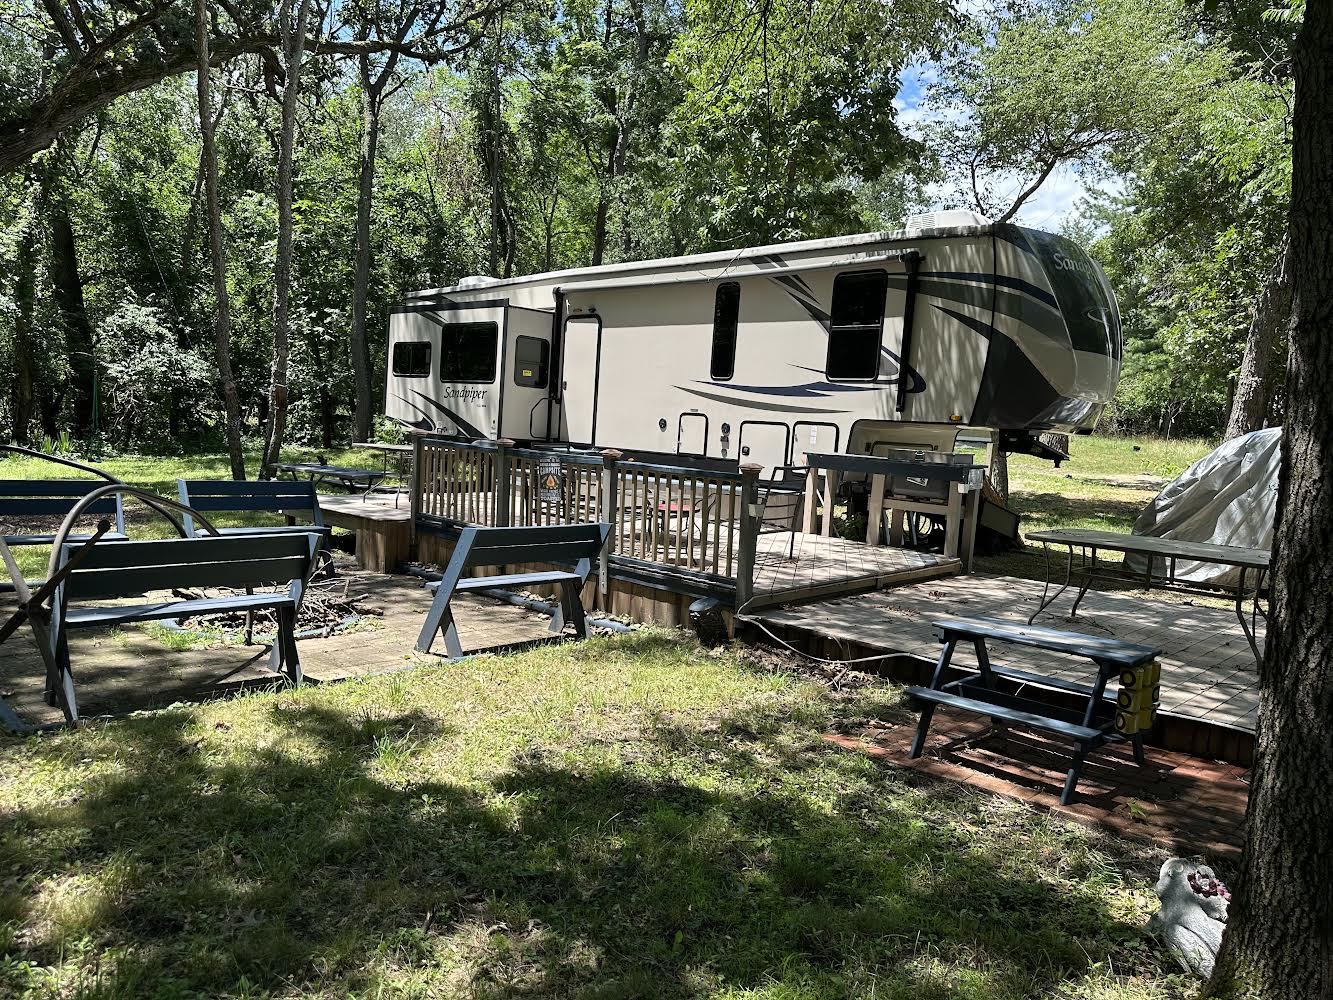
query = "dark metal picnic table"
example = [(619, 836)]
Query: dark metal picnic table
[(1158, 551), (353, 479)]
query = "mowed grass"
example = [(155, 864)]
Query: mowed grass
[(626, 817), (1105, 486)]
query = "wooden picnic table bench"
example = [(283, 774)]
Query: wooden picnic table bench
[(1104, 717), (575, 545), (135, 569), (364, 480), (25, 498), (1158, 551)]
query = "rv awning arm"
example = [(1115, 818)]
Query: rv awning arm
[(741, 269)]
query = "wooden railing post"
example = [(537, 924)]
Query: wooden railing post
[(610, 513), (749, 541), (417, 487), (502, 483)]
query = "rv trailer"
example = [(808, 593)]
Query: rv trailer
[(852, 344)]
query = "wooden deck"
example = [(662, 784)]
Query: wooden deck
[(383, 530), (820, 567), (1209, 677)]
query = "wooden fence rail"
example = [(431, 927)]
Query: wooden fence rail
[(690, 522)]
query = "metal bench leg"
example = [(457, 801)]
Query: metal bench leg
[(287, 636), (923, 727), (1075, 770), (1139, 759), (573, 601)]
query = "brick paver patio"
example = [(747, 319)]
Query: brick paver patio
[(1180, 803)]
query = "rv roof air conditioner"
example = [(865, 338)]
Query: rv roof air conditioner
[(950, 219), (477, 281)]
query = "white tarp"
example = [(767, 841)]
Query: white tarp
[(1229, 497)]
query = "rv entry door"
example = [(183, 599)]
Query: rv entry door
[(579, 373)]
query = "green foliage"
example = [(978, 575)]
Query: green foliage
[(789, 107)]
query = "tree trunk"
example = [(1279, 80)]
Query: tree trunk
[(293, 49), (25, 282), (68, 289), (222, 302), (1279, 938), (370, 129), (998, 472), (1272, 314)]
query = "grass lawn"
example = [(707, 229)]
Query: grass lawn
[(628, 817), (1105, 485)]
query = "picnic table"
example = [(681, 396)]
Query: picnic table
[(1016, 697), (364, 480), (1158, 551)]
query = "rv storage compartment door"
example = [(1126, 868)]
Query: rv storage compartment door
[(692, 434), (766, 443)]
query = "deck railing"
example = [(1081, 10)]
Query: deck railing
[(692, 524)]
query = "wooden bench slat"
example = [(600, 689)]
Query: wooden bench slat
[(511, 580), (116, 582), (209, 488), (97, 617), (190, 551), (267, 529), (1083, 734), (110, 536), (50, 487), (1055, 683), (38, 506), (274, 502), (1094, 647)]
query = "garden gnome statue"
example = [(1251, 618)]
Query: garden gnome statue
[(1193, 914)]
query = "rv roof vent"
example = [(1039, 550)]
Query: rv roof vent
[(949, 219), (477, 281)]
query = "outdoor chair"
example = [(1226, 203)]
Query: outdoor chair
[(575, 545)]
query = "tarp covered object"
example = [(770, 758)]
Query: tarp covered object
[(1228, 497)]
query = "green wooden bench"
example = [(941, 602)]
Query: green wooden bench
[(1101, 719), (285, 498), (575, 545), (130, 569), (27, 498)]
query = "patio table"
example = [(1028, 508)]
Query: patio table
[(1157, 550)]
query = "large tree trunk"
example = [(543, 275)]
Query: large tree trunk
[(1272, 314), (370, 135), (282, 267), (25, 283), (68, 289), (1279, 939), (222, 301)]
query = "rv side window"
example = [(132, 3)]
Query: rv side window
[(726, 312), (467, 352), (856, 324), (411, 359), (532, 356)]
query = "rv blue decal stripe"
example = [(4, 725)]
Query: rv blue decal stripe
[(756, 404), (1005, 280), (463, 425), (972, 323), (809, 389)]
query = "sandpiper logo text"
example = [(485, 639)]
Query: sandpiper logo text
[(465, 393)]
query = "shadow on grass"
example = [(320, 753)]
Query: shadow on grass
[(671, 865)]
